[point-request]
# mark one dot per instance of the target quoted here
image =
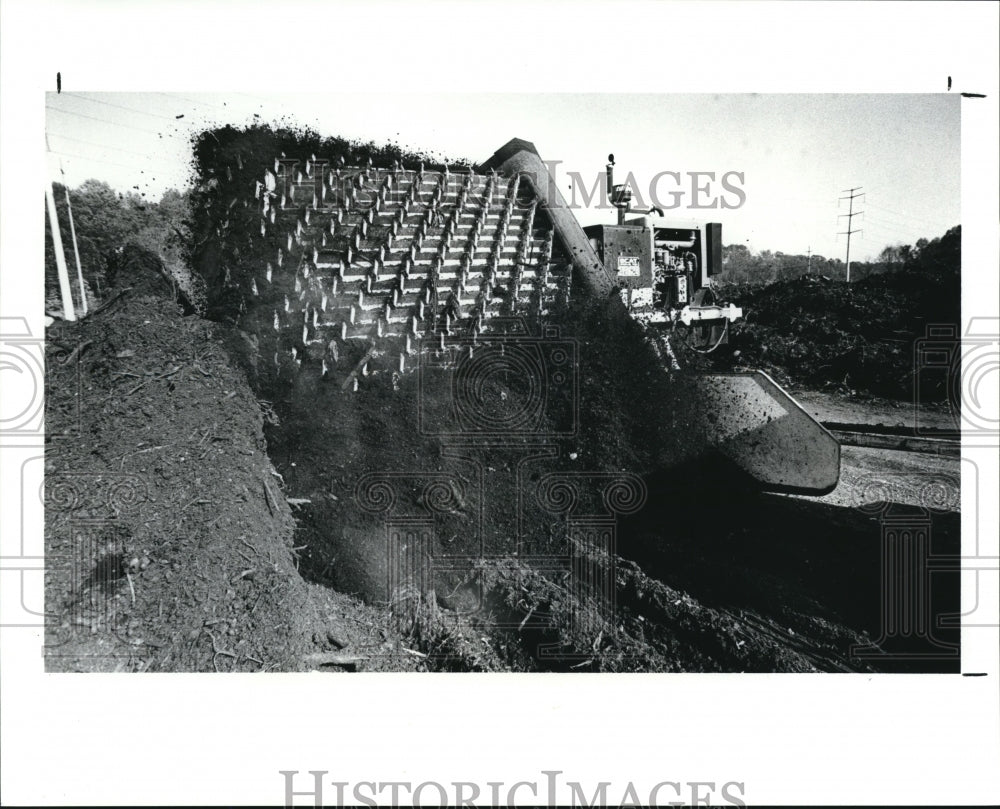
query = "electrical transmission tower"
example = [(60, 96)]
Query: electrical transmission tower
[(850, 216)]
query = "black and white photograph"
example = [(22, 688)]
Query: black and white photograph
[(398, 393), (373, 406)]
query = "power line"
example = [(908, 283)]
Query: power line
[(192, 101), (903, 231), (906, 232), (101, 146), (918, 231), (850, 216), (878, 220), (902, 215), (119, 106), (95, 159), (104, 120)]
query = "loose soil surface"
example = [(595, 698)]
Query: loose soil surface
[(928, 419), (194, 524), (169, 542)]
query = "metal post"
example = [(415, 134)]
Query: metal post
[(850, 218), (850, 215)]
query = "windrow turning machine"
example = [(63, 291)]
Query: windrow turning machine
[(663, 269), (367, 270)]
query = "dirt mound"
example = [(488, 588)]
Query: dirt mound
[(144, 272), (168, 537), (171, 544), (846, 337), (500, 590)]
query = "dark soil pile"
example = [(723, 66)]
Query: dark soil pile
[(849, 338), (168, 538)]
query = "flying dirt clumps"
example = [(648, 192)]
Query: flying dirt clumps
[(228, 163)]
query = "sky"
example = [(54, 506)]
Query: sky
[(798, 154)]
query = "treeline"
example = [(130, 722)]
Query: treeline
[(742, 267), (111, 228), (859, 337), (194, 237)]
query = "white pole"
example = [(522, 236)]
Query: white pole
[(76, 250), (67, 294)]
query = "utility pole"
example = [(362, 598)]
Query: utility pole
[(809, 259), (851, 213), (76, 249), (69, 313)]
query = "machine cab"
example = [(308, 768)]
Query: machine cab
[(659, 266)]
